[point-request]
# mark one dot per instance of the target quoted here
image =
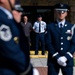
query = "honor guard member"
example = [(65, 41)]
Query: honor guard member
[(14, 53), (59, 43), (39, 29)]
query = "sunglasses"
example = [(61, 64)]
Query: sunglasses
[(61, 11)]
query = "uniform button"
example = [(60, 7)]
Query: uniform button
[(61, 37), (61, 43), (61, 48)]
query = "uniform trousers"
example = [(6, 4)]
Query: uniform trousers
[(40, 37), (54, 70)]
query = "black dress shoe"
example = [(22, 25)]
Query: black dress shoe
[(36, 53), (43, 53)]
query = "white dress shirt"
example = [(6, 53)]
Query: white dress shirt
[(36, 26), (8, 13), (61, 22)]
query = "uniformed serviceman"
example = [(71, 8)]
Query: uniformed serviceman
[(14, 53), (60, 43), (39, 28)]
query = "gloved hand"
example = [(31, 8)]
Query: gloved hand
[(62, 61), (35, 71), (62, 64), (65, 64)]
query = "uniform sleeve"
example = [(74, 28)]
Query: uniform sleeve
[(49, 46), (45, 26), (70, 52), (34, 26), (10, 50)]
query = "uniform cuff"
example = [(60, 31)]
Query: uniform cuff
[(27, 71), (70, 54), (55, 54)]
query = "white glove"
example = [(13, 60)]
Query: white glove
[(62, 64), (35, 71), (62, 61)]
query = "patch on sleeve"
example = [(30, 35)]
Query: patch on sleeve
[(5, 33)]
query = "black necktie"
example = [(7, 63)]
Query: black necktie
[(39, 27), (61, 26)]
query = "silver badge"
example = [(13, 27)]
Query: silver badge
[(42, 23), (61, 5), (68, 38), (68, 31), (65, 25)]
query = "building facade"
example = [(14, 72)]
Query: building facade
[(45, 8), (50, 3)]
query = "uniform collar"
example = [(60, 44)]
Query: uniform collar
[(39, 21), (62, 22), (10, 16)]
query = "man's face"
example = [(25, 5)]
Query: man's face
[(39, 18), (5, 3), (25, 18), (61, 14)]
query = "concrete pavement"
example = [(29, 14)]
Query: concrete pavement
[(42, 62)]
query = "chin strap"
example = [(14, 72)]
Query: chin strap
[(12, 8)]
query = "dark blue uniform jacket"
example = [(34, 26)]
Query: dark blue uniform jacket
[(14, 50), (58, 41)]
